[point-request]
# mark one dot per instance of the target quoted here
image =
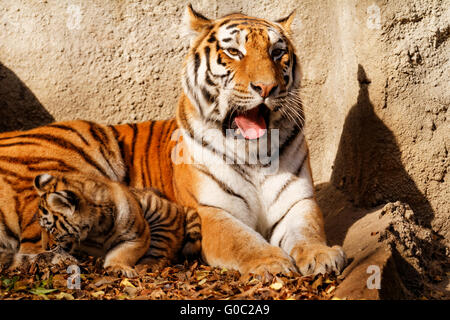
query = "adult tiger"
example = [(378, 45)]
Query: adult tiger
[(241, 76)]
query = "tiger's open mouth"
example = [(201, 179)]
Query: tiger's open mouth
[(251, 124)]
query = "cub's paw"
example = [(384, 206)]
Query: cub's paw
[(192, 249), (312, 259), (6, 259), (53, 258), (56, 257), (152, 264), (121, 270), (273, 261)]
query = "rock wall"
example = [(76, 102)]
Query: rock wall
[(375, 79)]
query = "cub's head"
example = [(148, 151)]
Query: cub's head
[(63, 212), (242, 73)]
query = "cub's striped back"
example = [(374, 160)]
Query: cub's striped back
[(174, 229), (96, 216)]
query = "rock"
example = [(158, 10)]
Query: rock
[(372, 273), (391, 256)]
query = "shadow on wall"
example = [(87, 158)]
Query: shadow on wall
[(368, 165), (19, 108)]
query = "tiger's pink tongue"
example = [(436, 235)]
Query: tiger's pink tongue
[(251, 124)]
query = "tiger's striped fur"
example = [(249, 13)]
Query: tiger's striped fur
[(60, 148), (95, 216), (254, 219), (240, 66), (174, 229)]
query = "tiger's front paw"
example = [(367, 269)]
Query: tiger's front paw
[(312, 259), (121, 270), (271, 262)]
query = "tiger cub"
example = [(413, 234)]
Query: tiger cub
[(95, 216), (101, 217)]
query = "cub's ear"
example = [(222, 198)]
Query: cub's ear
[(287, 21), (194, 22), (63, 201), (44, 182)]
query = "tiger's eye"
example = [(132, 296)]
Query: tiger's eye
[(233, 51), (278, 52)]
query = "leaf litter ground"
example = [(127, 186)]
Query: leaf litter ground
[(190, 280)]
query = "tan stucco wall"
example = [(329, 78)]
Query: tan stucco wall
[(376, 87)]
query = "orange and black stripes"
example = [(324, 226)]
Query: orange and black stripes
[(140, 154), (173, 228), (136, 154), (64, 144), (66, 147), (93, 215), (146, 150)]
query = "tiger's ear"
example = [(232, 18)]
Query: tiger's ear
[(287, 21), (194, 22), (43, 183), (63, 201)]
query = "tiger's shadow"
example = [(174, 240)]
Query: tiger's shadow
[(367, 170), (19, 107)]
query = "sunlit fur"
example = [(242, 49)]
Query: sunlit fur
[(264, 218), (94, 216), (253, 219), (107, 219), (175, 230), (61, 148)]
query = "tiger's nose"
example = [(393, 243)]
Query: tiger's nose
[(264, 90)]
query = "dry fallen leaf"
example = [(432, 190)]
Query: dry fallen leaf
[(126, 283), (318, 282), (98, 294), (64, 296), (253, 282), (131, 291), (276, 286), (330, 289), (199, 275)]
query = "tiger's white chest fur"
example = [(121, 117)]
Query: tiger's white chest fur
[(258, 195)]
